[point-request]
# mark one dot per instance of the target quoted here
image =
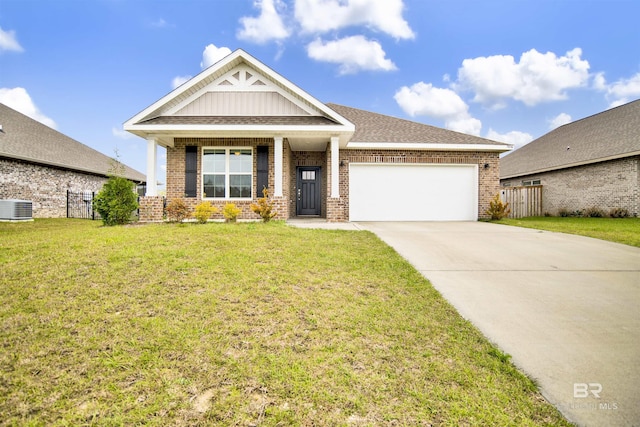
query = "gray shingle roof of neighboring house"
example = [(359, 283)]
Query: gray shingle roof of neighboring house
[(608, 135), (26, 139), (374, 127)]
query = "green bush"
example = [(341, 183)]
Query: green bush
[(498, 209), (116, 201), (594, 212), (231, 212), (177, 210), (264, 208), (204, 211)]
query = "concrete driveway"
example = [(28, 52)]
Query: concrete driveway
[(566, 308)]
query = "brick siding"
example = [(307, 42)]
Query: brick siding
[(604, 185), (45, 186), (333, 209)]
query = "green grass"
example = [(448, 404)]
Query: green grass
[(619, 230), (237, 324)]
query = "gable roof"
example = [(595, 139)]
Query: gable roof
[(26, 139), (611, 134), (374, 130), (238, 96)]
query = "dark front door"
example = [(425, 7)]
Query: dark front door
[(308, 197)]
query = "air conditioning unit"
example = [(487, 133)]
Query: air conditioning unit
[(16, 210)]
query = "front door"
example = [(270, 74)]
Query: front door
[(308, 197)]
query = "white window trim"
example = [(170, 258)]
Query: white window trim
[(227, 191)]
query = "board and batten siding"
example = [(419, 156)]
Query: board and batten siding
[(241, 104)]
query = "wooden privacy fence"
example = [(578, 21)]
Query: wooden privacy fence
[(523, 201)]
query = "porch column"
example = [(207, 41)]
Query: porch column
[(335, 167), (152, 157), (277, 165)]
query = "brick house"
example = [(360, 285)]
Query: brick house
[(239, 126), (592, 162), (40, 164)]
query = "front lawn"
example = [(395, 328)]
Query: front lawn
[(620, 230), (237, 324)]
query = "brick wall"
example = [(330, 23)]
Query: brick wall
[(45, 186), (332, 209), (605, 185), (151, 208)]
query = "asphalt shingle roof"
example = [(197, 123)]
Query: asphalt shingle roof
[(375, 127), (29, 140), (610, 134), (241, 120)]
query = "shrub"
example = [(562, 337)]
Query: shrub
[(564, 212), (264, 208), (204, 211), (231, 212), (116, 201), (594, 212), (497, 208), (177, 210), (619, 213)]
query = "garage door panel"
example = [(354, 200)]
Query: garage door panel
[(383, 192)]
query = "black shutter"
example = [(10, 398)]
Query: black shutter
[(263, 169), (191, 171)]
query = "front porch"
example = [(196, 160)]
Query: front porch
[(301, 184)]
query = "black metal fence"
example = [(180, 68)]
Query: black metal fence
[(80, 205)]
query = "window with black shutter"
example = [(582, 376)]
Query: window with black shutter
[(262, 169), (191, 171)]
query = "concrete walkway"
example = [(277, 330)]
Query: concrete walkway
[(566, 308)]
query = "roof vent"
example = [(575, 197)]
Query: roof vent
[(16, 210)]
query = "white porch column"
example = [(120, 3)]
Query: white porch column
[(152, 158), (335, 166), (277, 164)]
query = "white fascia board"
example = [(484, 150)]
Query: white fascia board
[(427, 146), (164, 129), (166, 133)]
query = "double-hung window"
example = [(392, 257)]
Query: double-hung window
[(227, 173)]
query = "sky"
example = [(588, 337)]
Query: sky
[(509, 70)]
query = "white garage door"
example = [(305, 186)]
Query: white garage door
[(392, 192)]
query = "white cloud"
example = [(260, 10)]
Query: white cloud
[(559, 120), (424, 99), (18, 98), (321, 16), (536, 78), (8, 41), (120, 133), (179, 80), (516, 138), (213, 54), (354, 54), (621, 91), (267, 26), (161, 23)]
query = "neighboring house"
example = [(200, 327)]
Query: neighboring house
[(590, 163), (238, 127), (40, 164)]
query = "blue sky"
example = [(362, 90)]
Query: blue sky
[(506, 70)]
